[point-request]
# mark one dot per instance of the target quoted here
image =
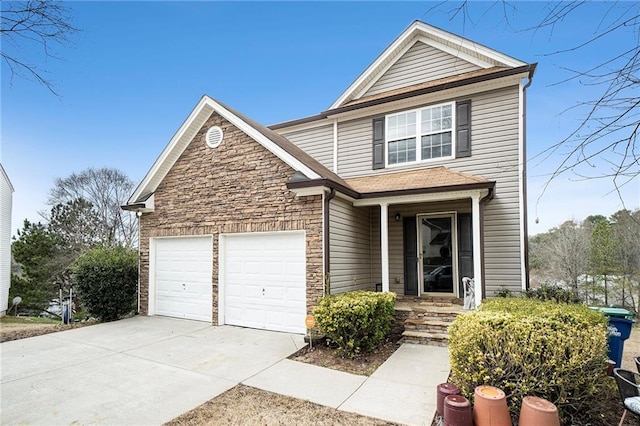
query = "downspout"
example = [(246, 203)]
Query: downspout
[(484, 200), (524, 178), (138, 216), (327, 252)]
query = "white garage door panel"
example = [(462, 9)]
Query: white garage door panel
[(183, 277), (265, 280)]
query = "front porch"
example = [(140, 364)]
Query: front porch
[(425, 320)]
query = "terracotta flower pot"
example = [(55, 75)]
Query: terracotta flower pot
[(457, 411), (538, 412), (490, 407), (445, 389)]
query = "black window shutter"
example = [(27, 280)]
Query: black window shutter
[(378, 143), (463, 129)]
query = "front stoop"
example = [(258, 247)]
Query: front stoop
[(426, 321)]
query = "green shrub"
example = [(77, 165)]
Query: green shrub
[(106, 280), (355, 322), (553, 292), (531, 347)]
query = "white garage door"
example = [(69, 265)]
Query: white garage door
[(183, 270), (264, 281)]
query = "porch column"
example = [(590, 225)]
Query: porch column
[(384, 242), (477, 258)]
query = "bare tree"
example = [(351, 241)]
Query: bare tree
[(33, 26), (609, 127), (106, 189), (626, 229)]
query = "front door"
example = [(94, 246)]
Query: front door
[(437, 254)]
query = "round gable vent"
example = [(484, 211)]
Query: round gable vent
[(214, 137)]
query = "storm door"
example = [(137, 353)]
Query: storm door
[(437, 254)]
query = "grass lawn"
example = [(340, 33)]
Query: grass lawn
[(8, 319)]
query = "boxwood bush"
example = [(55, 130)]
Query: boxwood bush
[(531, 347), (106, 280), (355, 322)]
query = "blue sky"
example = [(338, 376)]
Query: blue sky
[(132, 75)]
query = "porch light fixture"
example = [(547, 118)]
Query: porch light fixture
[(398, 217)]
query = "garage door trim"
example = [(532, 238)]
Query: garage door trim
[(222, 263)]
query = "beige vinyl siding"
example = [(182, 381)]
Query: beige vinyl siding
[(317, 142), (355, 147), (494, 155), (419, 64), (349, 247)]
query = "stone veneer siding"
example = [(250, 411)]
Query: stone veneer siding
[(240, 186)]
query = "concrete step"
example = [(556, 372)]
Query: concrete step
[(428, 325), (425, 338)]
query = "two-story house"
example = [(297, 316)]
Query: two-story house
[(412, 179)]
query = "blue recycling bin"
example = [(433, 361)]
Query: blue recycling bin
[(619, 331)]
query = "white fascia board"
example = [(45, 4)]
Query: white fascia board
[(155, 175), (180, 140), (455, 52), (364, 89), (463, 42), (427, 32), (421, 198), (293, 162), (6, 178), (373, 68)]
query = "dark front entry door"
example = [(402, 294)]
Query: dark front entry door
[(410, 257), (437, 253)]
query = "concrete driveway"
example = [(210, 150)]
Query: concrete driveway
[(143, 370)]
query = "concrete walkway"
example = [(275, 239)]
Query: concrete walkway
[(402, 390), (149, 370)]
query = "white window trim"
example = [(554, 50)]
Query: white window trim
[(419, 135)]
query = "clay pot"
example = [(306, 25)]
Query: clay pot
[(538, 412), (445, 389), (457, 411), (490, 407)]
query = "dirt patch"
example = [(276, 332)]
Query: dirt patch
[(16, 331), (244, 405), (364, 365)]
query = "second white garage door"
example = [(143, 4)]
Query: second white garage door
[(264, 279)]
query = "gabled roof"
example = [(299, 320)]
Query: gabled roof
[(280, 146), (6, 178), (463, 48)]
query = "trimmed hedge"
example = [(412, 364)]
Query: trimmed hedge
[(355, 322), (531, 347), (107, 281)]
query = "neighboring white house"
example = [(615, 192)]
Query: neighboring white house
[(6, 193)]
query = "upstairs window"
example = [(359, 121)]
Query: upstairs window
[(422, 134)]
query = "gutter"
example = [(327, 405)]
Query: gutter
[(467, 81), (327, 246), (328, 183)]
